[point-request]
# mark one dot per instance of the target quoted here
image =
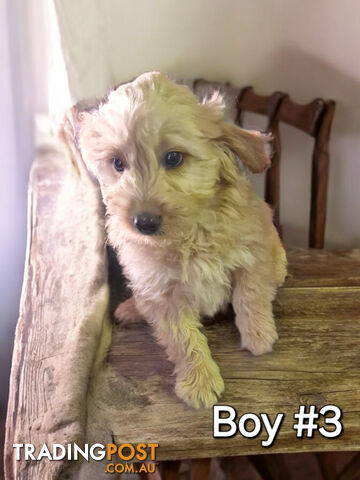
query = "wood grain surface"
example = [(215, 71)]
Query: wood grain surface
[(62, 390), (63, 314), (315, 362)]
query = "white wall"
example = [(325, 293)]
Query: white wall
[(10, 268), (306, 48), (23, 84)]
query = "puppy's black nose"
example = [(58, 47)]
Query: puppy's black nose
[(147, 223)]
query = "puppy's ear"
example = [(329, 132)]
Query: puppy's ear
[(252, 147), (68, 134)]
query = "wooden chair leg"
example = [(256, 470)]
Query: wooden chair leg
[(200, 468), (270, 467), (351, 470), (327, 465), (234, 467), (170, 470)]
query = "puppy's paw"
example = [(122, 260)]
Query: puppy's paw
[(260, 339), (200, 386), (127, 314)]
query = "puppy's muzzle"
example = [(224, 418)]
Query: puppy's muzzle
[(147, 223)]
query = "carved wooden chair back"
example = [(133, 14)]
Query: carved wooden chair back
[(315, 119)]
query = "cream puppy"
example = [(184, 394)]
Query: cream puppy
[(187, 227)]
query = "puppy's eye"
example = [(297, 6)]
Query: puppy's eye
[(118, 164), (172, 160)]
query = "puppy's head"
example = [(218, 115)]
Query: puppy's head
[(162, 158)]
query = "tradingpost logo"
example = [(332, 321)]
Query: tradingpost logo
[(122, 458)]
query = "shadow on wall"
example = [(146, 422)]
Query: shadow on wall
[(305, 77)]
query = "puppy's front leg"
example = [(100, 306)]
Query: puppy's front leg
[(127, 313), (252, 297), (198, 378)]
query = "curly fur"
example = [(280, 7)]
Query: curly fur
[(217, 243)]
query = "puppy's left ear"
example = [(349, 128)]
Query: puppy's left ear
[(252, 147)]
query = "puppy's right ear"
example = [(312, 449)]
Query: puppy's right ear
[(68, 134), (253, 148)]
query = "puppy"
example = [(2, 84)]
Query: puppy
[(187, 227)]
